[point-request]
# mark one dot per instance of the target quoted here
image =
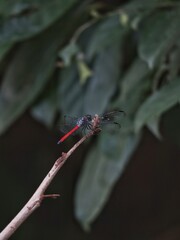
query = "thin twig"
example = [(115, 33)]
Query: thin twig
[(38, 196)]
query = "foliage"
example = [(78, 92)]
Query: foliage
[(57, 58)]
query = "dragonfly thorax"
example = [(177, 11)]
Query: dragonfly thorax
[(84, 120), (80, 121)]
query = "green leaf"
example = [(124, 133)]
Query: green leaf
[(123, 18), (4, 48), (103, 167), (153, 126), (68, 53), (107, 33), (93, 96), (134, 87), (25, 79), (133, 77), (174, 59), (22, 20), (13, 8), (136, 10), (31, 68), (84, 71), (70, 86), (103, 84), (46, 108), (158, 103), (155, 41)]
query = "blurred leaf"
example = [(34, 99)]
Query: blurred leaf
[(153, 126), (141, 5), (70, 86), (45, 112), (137, 71), (134, 86), (24, 79), (136, 10), (68, 53), (84, 71), (13, 8), (46, 108), (103, 84), (174, 65), (4, 48), (93, 96), (95, 14), (107, 33), (158, 103), (31, 67), (24, 20), (123, 18), (155, 41), (103, 167)]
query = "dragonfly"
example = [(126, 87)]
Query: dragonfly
[(85, 123)]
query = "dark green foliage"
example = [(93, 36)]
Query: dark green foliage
[(58, 60)]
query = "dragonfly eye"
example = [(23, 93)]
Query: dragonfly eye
[(89, 117)]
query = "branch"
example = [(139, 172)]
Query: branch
[(38, 196)]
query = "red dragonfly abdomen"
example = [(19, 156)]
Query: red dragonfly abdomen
[(68, 134)]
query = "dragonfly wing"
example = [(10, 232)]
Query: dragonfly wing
[(69, 124), (113, 117), (70, 120)]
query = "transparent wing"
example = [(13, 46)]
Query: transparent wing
[(113, 117), (68, 124), (68, 120), (71, 122)]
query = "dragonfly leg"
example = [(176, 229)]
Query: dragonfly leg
[(83, 129), (89, 126)]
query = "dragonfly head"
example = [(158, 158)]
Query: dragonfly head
[(84, 120), (88, 117)]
